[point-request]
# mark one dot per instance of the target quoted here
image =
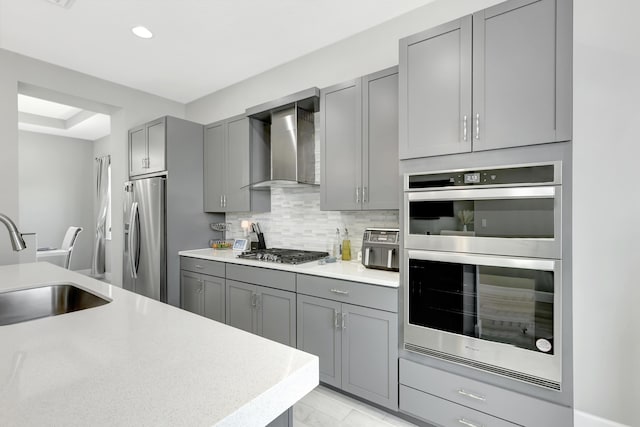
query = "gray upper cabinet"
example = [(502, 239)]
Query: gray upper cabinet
[(435, 91), (215, 164), (147, 148), (341, 146), (234, 153), (359, 142), (380, 176), (519, 92)]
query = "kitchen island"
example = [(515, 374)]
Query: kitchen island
[(136, 361)]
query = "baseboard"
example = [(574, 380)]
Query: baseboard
[(583, 419)]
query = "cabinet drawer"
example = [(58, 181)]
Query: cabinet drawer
[(212, 268), (516, 407), (445, 413), (262, 276), (357, 293)]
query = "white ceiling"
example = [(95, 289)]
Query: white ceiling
[(42, 116), (199, 46)]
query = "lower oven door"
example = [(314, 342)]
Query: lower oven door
[(500, 314)]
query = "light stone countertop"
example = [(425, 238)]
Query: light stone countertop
[(345, 270), (136, 361)]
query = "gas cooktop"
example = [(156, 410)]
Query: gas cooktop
[(284, 256)]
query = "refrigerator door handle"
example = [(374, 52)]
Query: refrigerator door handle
[(133, 265)]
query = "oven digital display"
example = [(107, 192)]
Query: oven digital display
[(472, 178)]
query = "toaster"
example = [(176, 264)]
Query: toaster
[(380, 248)]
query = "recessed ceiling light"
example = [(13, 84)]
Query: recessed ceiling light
[(142, 32)]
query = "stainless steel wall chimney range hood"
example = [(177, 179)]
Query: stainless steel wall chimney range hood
[(293, 143)]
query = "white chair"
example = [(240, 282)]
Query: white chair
[(66, 249)]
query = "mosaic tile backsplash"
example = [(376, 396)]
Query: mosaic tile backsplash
[(296, 221)]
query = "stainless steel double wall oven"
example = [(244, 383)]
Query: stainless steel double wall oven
[(483, 269)]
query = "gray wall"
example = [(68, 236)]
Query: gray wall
[(606, 70), (128, 108), (605, 209), (56, 191)]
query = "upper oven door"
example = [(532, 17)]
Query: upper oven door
[(513, 221)]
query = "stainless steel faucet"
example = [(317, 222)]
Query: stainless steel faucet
[(16, 237)]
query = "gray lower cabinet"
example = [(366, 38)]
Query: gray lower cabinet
[(447, 399), (264, 311), (203, 295), (359, 141), (357, 347), (503, 79), (202, 287)]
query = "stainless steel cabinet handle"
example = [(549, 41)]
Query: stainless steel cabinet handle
[(364, 194), (390, 257), (357, 194), (478, 126), (220, 201), (198, 266), (471, 395), (464, 128), (253, 300), (338, 291), (342, 317), (224, 201), (335, 318), (468, 423), (366, 256)]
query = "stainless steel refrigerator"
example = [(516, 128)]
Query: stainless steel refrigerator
[(144, 264)]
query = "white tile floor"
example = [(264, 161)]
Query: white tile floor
[(324, 407)]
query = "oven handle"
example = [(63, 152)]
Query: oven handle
[(547, 192), (488, 260)]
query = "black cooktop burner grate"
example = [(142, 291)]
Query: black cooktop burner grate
[(284, 256)]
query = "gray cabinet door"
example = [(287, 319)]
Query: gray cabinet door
[(241, 299), (137, 151), (214, 167), (435, 91), (341, 147), (238, 162), (380, 176), (515, 66), (156, 146), (276, 312), (214, 303), (319, 334), (370, 354), (191, 292)]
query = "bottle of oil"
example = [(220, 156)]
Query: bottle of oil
[(346, 246), (336, 245)]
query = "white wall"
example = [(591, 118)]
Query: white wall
[(56, 191), (606, 204), (364, 53), (128, 108)]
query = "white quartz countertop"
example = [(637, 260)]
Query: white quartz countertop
[(345, 270), (139, 362)]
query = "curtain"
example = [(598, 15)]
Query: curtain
[(102, 183)]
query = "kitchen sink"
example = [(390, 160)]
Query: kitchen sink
[(45, 301)]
